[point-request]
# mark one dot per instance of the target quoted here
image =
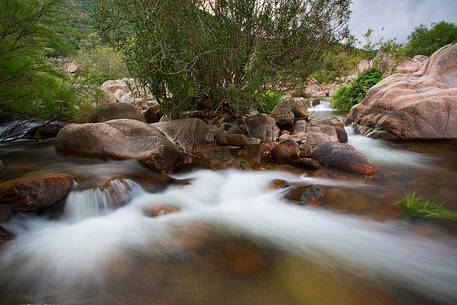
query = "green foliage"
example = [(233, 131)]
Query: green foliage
[(416, 207), (267, 100), (218, 54), (347, 96), (29, 85), (425, 41), (102, 63)]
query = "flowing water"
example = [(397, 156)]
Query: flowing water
[(234, 240)]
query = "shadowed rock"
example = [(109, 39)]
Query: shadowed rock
[(285, 152), (108, 112), (343, 157)]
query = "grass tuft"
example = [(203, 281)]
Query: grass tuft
[(415, 207)]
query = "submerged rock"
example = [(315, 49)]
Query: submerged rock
[(113, 111), (121, 139), (159, 210), (285, 152), (343, 157), (5, 235), (35, 192), (422, 105), (305, 195)]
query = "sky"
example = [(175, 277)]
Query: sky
[(399, 17)]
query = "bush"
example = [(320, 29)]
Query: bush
[(347, 96), (268, 100), (424, 41), (102, 63), (218, 54)]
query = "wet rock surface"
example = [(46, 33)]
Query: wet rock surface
[(285, 152), (305, 195), (35, 192)]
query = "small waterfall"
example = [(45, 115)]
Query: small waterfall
[(97, 201), (324, 105)]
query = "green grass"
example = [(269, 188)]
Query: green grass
[(415, 207)]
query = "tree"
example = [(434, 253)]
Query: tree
[(219, 54), (425, 41), (29, 85)]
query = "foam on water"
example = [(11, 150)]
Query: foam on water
[(60, 254), (377, 151)]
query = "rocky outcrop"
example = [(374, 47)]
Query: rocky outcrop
[(283, 115), (120, 139), (108, 112), (343, 157), (262, 127), (126, 91), (285, 152), (422, 105), (412, 65), (188, 133), (35, 192)]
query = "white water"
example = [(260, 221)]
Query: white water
[(324, 105), (66, 253), (377, 151)]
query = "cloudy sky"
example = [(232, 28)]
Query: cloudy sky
[(399, 17)]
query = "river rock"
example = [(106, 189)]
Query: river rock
[(2, 167), (262, 127), (45, 131), (224, 138), (108, 112), (35, 192), (343, 157), (152, 114), (299, 108), (285, 152), (189, 133), (283, 115), (330, 131), (306, 163), (300, 126), (120, 140), (415, 106), (159, 210), (5, 235), (305, 195)]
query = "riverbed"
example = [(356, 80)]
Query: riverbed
[(235, 239)]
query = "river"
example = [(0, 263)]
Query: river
[(235, 239)]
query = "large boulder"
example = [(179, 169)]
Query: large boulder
[(285, 152), (188, 133), (298, 105), (412, 65), (35, 192), (413, 106), (283, 115), (262, 127), (108, 112), (343, 157), (120, 139)]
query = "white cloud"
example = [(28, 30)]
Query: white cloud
[(399, 17)]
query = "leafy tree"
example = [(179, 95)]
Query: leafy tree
[(347, 96), (218, 54), (425, 41), (29, 85)]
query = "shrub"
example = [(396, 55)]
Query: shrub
[(268, 100), (29, 85), (218, 54), (102, 63), (416, 207), (425, 41), (347, 96)]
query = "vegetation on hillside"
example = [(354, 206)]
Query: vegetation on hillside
[(425, 41), (349, 95)]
